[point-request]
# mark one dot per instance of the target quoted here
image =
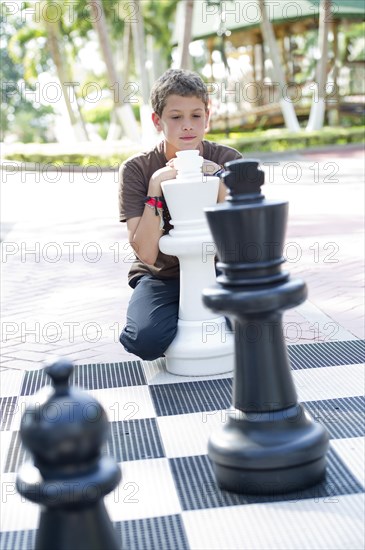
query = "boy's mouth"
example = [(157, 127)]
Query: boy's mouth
[(187, 138)]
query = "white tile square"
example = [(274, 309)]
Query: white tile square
[(188, 434), (329, 382), (146, 490), (307, 524), (22, 403), (5, 438), (352, 453), (11, 382), (127, 403), (16, 512)]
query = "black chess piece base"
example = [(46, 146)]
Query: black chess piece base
[(268, 452)]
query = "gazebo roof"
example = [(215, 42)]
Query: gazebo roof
[(245, 14)]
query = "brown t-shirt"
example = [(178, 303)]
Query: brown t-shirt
[(134, 177)]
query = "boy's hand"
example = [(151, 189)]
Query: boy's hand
[(209, 167), (163, 174)]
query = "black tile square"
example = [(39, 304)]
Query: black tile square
[(342, 417), (159, 533), (91, 377), (134, 440), (18, 540), (197, 487), (190, 397), (8, 407), (326, 354), (17, 454)]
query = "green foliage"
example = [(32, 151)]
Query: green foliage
[(355, 42), (158, 17), (280, 140), (27, 51), (76, 160), (20, 117), (258, 141), (100, 114)]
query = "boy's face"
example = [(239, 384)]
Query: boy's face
[(183, 121)]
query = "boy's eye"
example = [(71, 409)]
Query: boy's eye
[(175, 117), (197, 116)]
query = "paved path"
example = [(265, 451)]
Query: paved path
[(65, 257)]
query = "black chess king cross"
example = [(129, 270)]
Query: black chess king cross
[(64, 429), (269, 443)]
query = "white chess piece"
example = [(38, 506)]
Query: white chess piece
[(203, 345)]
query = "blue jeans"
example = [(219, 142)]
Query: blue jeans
[(152, 317)]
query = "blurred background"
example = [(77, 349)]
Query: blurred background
[(76, 74)]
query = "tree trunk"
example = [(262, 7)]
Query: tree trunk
[(148, 129), (126, 50), (123, 110), (184, 61), (318, 107), (287, 107), (52, 30)]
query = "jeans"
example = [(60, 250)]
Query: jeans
[(152, 317)]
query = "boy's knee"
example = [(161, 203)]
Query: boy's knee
[(147, 344)]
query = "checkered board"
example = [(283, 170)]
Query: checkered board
[(168, 497)]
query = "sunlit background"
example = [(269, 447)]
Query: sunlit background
[(79, 71)]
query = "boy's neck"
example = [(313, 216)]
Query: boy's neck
[(170, 152)]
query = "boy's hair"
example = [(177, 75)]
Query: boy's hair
[(177, 82)]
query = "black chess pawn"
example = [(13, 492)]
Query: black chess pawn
[(64, 429), (269, 444)]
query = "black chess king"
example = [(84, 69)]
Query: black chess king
[(269, 443)]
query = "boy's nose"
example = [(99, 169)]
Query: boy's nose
[(187, 125)]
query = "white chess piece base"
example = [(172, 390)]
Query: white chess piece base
[(201, 348)]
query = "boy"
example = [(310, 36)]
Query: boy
[(180, 111)]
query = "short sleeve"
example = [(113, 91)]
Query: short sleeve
[(132, 191), (220, 154)]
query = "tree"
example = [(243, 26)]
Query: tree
[(53, 34), (123, 110), (148, 130), (183, 46), (159, 22), (22, 118), (318, 107), (287, 108), (35, 44), (54, 43)]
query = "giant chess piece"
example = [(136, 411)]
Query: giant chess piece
[(269, 444), (65, 428), (202, 345)]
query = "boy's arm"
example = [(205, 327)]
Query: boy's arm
[(144, 232)]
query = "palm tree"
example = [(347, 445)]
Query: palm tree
[(148, 130), (318, 107), (123, 110), (27, 46), (158, 19), (287, 108), (53, 34), (183, 46)]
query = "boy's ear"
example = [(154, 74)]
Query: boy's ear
[(156, 121)]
